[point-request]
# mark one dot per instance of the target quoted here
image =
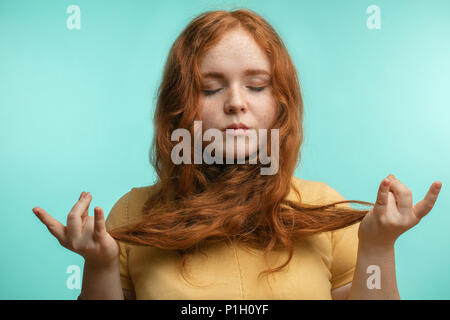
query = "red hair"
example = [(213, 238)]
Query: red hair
[(197, 203)]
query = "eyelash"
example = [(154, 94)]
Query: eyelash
[(211, 92)]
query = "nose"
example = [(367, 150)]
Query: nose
[(236, 102)]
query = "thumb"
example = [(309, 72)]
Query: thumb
[(382, 197), (56, 228), (392, 204), (99, 221)]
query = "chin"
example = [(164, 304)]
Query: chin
[(243, 152)]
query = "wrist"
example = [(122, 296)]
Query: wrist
[(375, 247), (375, 240), (101, 265)]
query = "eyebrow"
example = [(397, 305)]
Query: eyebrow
[(247, 72)]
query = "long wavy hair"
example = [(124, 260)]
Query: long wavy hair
[(195, 204)]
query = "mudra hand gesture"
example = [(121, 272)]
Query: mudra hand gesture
[(394, 213), (84, 234)]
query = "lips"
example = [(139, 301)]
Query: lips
[(236, 129), (239, 125)]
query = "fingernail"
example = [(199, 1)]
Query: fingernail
[(85, 195)]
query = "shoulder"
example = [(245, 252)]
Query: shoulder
[(129, 206), (319, 192), (315, 192)]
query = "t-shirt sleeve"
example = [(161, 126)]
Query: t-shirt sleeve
[(117, 217), (344, 243)]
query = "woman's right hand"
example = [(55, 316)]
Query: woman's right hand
[(84, 234)]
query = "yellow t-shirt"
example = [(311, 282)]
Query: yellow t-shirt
[(320, 263)]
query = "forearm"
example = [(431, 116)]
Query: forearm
[(384, 258), (101, 283)]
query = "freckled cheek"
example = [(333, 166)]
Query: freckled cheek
[(265, 121), (209, 116), (272, 115), (266, 115)]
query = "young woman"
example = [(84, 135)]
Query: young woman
[(225, 230)]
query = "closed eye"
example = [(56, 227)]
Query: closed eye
[(210, 92), (257, 88)]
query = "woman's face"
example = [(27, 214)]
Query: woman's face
[(236, 88)]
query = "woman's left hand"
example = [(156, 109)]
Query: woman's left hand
[(393, 213)]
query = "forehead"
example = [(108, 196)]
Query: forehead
[(236, 52)]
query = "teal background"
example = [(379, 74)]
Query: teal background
[(77, 105)]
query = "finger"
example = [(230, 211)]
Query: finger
[(402, 194), (74, 221), (99, 221), (55, 227), (85, 212), (392, 204), (423, 207), (382, 197)]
